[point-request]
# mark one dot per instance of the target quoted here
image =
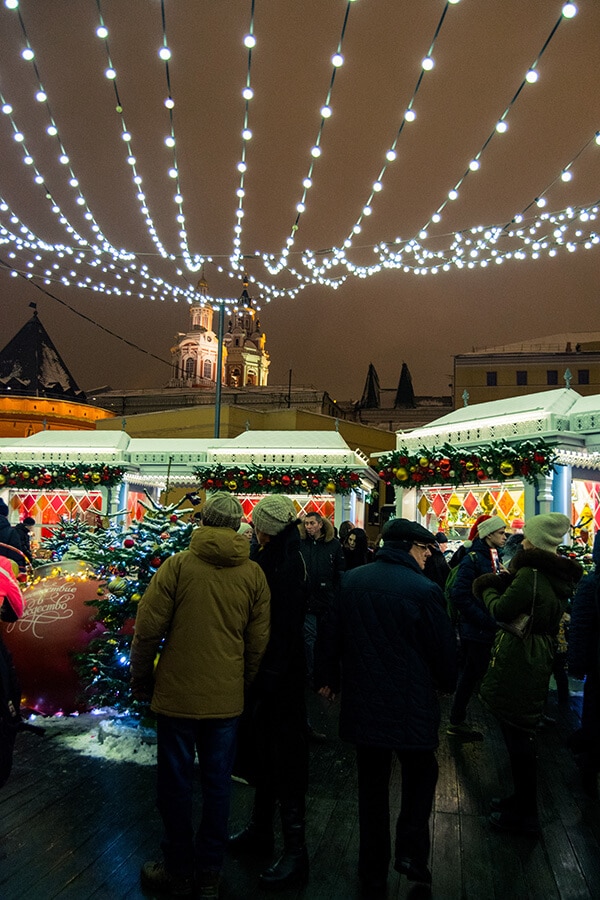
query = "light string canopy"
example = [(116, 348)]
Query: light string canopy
[(94, 263), (387, 258)]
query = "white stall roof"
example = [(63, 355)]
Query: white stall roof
[(91, 441), (296, 440), (548, 414), (155, 457), (301, 448)]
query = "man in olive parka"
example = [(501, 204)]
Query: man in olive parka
[(211, 607)]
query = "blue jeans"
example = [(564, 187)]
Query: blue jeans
[(178, 741)]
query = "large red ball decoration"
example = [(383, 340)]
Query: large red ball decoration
[(129, 543), (56, 624)]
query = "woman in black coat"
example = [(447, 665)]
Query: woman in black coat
[(356, 549), (276, 703)]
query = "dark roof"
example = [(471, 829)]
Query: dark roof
[(405, 395), (30, 365), (371, 398)]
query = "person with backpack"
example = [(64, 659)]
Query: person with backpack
[(476, 627)]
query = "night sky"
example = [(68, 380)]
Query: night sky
[(482, 52)]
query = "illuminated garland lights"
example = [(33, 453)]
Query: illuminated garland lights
[(265, 480), (497, 461), (60, 476), (410, 256)]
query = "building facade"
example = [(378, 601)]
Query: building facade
[(244, 359), (528, 367)]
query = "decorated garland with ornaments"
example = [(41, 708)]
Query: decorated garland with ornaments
[(59, 476), (498, 461), (263, 480)]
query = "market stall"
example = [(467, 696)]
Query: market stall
[(513, 458)]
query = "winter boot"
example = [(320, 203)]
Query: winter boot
[(257, 835), (291, 869)]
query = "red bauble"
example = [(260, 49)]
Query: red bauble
[(155, 562), (173, 518), (129, 543), (55, 625)]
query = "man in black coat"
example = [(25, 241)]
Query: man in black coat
[(391, 633)]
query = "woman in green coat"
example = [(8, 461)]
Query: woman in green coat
[(515, 686)]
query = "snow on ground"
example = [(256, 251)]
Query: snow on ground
[(103, 735)]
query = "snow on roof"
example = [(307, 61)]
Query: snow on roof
[(80, 441), (554, 343), (559, 402), (291, 440), (548, 414)]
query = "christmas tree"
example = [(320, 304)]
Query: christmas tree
[(65, 540), (125, 563)]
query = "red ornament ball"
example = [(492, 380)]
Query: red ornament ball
[(129, 543), (155, 562)]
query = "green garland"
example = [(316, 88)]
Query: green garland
[(59, 476), (498, 461), (265, 480)]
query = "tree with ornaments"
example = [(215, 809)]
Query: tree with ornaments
[(125, 563)]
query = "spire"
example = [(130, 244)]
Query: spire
[(30, 365), (371, 394), (405, 396)]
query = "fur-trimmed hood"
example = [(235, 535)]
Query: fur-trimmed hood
[(556, 568), (327, 532)]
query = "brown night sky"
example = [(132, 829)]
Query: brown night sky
[(482, 52)]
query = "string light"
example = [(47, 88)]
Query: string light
[(93, 263)]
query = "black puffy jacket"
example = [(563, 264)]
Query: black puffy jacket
[(324, 559), (397, 648)]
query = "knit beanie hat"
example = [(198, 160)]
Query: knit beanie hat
[(273, 513), (3, 508), (547, 530), (491, 524), (473, 532), (244, 528), (222, 510)]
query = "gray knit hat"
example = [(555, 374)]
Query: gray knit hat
[(547, 530), (488, 526), (222, 510), (273, 513)]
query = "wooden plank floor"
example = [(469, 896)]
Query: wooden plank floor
[(77, 827)]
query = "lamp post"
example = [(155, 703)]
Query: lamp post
[(221, 329)]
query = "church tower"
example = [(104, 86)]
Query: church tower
[(247, 362), (194, 356)]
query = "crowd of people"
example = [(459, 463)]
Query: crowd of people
[(232, 632), (254, 613)]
